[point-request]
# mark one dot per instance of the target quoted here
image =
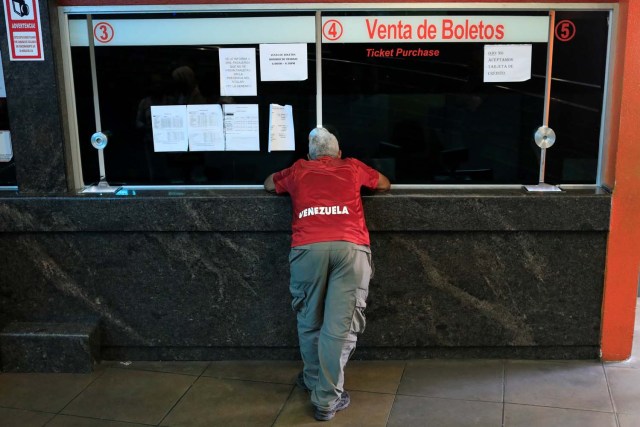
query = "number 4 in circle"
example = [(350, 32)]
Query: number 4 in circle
[(332, 30)]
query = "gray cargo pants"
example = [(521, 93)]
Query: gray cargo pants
[(329, 286)]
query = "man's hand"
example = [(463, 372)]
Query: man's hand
[(383, 183), (269, 185)]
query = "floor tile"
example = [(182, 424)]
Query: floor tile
[(365, 410), (409, 411), (373, 375), (629, 420), (222, 402), (23, 418), (570, 385), (273, 371), (42, 392), (172, 367), (71, 421), (625, 389), (540, 416), (132, 396), (454, 379)]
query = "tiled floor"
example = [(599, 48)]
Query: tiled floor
[(439, 393)]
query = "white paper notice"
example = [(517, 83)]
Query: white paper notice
[(241, 127), (238, 72), (283, 62), (507, 63), (6, 152), (169, 123), (281, 135), (206, 127)]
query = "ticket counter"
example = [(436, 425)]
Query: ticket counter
[(428, 96), (139, 205)]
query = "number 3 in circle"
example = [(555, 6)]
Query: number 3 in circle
[(103, 32)]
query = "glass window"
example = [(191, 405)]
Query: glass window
[(140, 73), (577, 93), (418, 110), (7, 163)]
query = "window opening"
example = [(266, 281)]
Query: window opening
[(7, 162), (421, 118)]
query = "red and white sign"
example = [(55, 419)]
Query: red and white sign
[(103, 32), (565, 30), (23, 30), (441, 29)]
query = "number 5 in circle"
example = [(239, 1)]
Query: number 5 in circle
[(565, 30)]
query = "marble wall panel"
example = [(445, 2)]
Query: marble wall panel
[(220, 289), (35, 115)]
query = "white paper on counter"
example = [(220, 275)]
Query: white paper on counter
[(241, 127), (281, 134), (6, 151), (169, 124), (206, 127), (283, 62), (507, 62), (238, 72)]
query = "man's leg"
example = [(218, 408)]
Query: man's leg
[(347, 290), (309, 268)]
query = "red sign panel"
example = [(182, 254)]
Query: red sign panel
[(23, 30)]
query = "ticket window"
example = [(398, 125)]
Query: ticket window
[(139, 71), (421, 111), (7, 163)]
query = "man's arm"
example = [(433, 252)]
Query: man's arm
[(383, 183), (269, 185)]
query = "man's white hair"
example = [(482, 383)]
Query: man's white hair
[(322, 143)]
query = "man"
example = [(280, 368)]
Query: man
[(330, 263)]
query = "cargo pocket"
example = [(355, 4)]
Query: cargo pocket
[(298, 300), (359, 320)]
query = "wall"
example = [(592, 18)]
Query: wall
[(475, 274), (623, 249)]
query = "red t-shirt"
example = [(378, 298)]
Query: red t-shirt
[(325, 194)]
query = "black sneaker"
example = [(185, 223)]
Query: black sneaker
[(326, 415), (300, 382)]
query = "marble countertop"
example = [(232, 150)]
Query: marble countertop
[(255, 210)]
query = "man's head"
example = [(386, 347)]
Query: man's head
[(323, 143)]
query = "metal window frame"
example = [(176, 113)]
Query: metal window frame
[(319, 8)]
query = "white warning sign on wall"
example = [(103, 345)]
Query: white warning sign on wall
[(24, 33)]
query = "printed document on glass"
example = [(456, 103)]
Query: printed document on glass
[(6, 151), (283, 62), (238, 72), (169, 124), (281, 135), (206, 127), (507, 62), (241, 127)]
